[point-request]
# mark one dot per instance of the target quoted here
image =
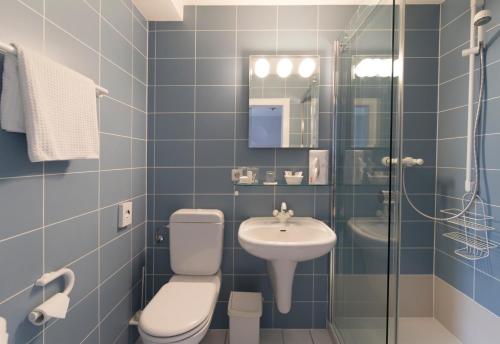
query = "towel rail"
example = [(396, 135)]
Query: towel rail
[(9, 49)]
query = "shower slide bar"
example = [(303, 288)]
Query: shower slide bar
[(9, 49)]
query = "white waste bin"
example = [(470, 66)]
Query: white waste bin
[(244, 310)]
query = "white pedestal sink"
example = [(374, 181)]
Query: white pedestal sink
[(283, 245)]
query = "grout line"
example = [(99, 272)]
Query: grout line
[(453, 20), (194, 100)]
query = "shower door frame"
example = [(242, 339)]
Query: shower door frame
[(397, 136), (395, 173)]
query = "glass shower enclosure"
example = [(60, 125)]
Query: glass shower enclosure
[(365, 207)]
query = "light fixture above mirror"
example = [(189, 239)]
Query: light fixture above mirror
[(284, 66)]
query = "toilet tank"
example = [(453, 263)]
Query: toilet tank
[(196, 241)]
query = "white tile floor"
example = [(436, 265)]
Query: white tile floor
[(424, 330), (274, 337), (411, 331)]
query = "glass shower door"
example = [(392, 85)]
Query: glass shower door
[(365, 215)]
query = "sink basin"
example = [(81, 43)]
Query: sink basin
[(372, 230), (371, 235), (283, 246)]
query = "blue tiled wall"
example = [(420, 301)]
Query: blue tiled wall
[(479, 280), (198, 131), (419, 125), (60, 214)]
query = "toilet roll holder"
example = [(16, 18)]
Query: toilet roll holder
[(36, 317)]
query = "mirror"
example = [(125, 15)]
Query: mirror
[(370, 122), (284, 101)]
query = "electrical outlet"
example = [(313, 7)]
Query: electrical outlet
[(124, 214)]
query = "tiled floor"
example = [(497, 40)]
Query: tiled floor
[(275, 337), (424, 330), (411, 331), (272, 337)]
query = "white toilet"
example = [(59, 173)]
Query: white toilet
[(182, 309)]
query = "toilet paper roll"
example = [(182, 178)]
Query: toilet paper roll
[(55, 307), (4, 336)]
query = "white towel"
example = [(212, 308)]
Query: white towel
[(11, 108), (59, 107), (4, 336)]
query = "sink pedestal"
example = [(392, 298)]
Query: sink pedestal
[(281, 273), (283, 245)]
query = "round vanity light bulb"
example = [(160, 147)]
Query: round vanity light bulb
[(365, 68), (384, 67), (262, 68), (307, 67), (284, 68)]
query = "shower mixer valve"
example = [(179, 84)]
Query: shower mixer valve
[(407, 161)]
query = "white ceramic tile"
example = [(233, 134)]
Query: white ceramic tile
[(453, 309), (215, 337), (424, 330), (268, 336), (297, 337), (321, 337)]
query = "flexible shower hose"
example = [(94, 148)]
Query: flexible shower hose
[(475, 190)]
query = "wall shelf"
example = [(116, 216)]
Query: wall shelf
[(260, 184)]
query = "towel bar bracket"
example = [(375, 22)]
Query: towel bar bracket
[(9, 49)]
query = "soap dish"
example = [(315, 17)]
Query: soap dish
[(294, 180)]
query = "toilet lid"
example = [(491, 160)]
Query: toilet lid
[(179, 306)]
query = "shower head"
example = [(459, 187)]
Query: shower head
[(482, 18)]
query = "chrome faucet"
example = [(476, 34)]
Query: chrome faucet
[(283, 215)]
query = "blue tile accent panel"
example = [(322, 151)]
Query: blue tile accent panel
[(27, 251), (87, 271), (28, 197), (257, 17), (451, 10), (479, 280), (198, 132), (19, 327), (69, 240), (174, 72), (335, 17), (17, 156), (54, 213), (115, 255), (487, 288), (298, 317), (79, 322), (425, 17), (454, 272), (417, 260), (216, 18)]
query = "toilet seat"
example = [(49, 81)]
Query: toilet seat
[(181, 309), (192, 337)]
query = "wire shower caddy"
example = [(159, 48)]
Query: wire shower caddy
[(471, 229)]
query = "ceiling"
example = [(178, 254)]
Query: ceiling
[(172, 10)]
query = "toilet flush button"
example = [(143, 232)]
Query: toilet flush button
[(124, 214)]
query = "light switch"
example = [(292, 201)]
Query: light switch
[(124, 214)]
